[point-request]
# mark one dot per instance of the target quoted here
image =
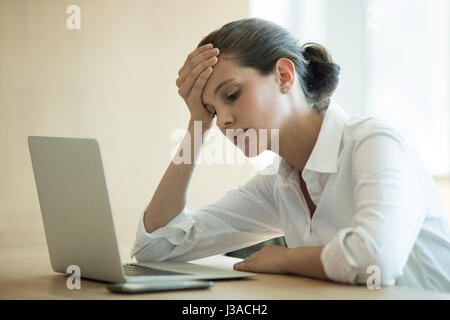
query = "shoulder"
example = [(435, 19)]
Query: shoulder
[(376, 147), (361, 129)]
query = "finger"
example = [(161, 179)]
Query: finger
[(243, 266), (193, 55), (194, 63), (197, 89), (196, 52), (239, 266), (188, 84), (190, 75)]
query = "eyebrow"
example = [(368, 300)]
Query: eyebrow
[(220, 86)]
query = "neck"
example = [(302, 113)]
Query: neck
[(298, 137)]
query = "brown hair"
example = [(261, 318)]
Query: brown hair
[(258, 43)]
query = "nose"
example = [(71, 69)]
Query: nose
[(224, 120)]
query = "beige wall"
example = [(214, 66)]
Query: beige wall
[(113, 80)]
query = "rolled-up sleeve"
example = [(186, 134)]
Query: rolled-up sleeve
[(389, 208), (241, 217)]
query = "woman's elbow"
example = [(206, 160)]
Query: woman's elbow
[(159, 250), (379, 270)]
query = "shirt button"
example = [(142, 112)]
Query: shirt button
[(314, 194)]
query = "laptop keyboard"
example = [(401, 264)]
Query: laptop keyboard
[(134, 270)]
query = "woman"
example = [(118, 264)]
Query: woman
[(349, 194)]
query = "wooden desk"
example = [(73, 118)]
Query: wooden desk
[(25, 273)]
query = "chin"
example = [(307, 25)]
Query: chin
[(244, 147)]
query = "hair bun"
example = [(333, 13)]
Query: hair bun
[(323, 74)]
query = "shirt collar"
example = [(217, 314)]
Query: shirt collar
[(324, 157)]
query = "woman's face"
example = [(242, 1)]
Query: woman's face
[(247, 101)]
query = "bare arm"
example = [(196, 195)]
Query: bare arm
[(170, 195), (303, 261)]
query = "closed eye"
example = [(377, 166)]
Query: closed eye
[(234, 96), (231, 98)]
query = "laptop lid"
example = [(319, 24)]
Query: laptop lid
[(75, 207)]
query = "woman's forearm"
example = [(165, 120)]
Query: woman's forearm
[(170, 195), (305, 261)]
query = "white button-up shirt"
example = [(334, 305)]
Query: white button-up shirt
[(376, 205)]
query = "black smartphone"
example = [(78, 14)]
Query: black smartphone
[(154, 286)]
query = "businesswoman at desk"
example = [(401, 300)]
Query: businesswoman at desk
[(348, 192)]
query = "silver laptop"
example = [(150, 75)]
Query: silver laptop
[(78, 220)]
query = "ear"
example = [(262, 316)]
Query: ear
[(285, 73)]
